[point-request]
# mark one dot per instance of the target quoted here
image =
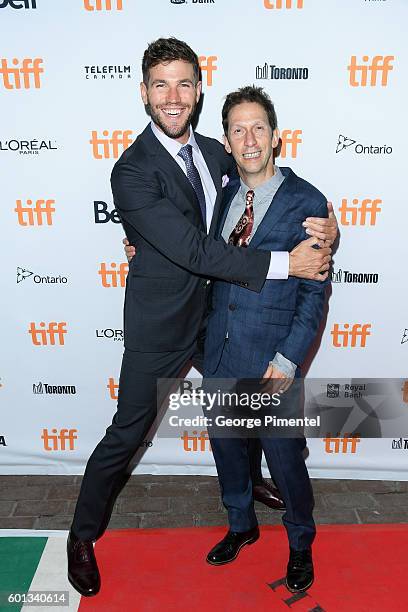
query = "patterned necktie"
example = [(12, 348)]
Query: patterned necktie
[(242, 231), (186, 153)]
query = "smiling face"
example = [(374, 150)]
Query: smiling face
[(251, 141), (171, 95)]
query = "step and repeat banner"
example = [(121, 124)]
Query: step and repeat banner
[(70, 105)]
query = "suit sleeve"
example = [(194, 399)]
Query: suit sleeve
[(308, 312), (138, 198)]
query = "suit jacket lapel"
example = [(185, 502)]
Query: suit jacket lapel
[(228, 195), (156, 148), (277, 208), (215, 171)]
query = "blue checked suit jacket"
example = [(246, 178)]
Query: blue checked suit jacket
[(286, 314)]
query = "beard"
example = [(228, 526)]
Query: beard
[(171, 132)]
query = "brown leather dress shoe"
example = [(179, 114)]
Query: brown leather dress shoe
[(83, 571), (269, 495)]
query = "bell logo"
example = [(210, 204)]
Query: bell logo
[(207, 65), (58, 441), (103, 5), (105, 148), (39, 214), (19, 4), (278, 4), (113, 277), (343, 445), (365, 214), (356, 337), (290, 139), (196, 442), (359, 72), (30, 70), (50, 336), (113, 388)]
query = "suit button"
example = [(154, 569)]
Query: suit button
[(232, 306)]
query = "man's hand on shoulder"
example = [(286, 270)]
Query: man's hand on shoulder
[(324, 229), (130, 250)]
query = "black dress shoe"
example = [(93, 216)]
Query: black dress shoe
[(83, 571), (300, 574), (269, 495), (228, 549)]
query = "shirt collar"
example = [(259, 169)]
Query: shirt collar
[(266, 189), (170, 144)]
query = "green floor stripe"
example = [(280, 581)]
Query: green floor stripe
[(19, 558)]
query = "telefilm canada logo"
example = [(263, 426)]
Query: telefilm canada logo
[(41, 388), (344, 142), (272, 72), (39, 279), (347, 277), (115, 72), (28, 147)]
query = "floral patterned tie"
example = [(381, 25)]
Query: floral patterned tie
[(242, 231)]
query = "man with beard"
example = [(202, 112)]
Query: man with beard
[(167, 189)]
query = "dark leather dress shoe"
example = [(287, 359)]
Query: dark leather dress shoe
[(83, 571), (269, 495), (300, 574), (228, 549)]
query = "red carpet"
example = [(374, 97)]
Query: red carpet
[(359, 568)]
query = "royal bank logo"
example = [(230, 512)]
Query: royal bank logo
[(404, 338), (400, 444), (344, 142), (178, 1), (44, 388), (333, 390), (38, 279), (111, 72), (275, 73), (347, 277)]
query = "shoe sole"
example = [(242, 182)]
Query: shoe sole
[(299, 590), (84, 593), (250, 541)]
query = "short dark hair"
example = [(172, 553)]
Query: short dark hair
[(165, 50), (250, 93)]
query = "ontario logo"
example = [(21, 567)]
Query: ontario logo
[(23, 274), (344, 142)]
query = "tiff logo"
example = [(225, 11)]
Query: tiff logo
[(380, 64), (365, 214), (58, 441), (35, 215), (53, 334), (103, 5), (207, 65), (196, 442), (113, 388), (113, 277), (278, 4), (356, 337), (290, 141), (105, 148), (343, 445), (30, 70)]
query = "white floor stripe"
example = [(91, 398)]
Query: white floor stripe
[(51, 575), (33, 533)]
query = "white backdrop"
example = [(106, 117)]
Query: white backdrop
[(69, 77)]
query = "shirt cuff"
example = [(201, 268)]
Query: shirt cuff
[(278, 266), (287, 367)]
